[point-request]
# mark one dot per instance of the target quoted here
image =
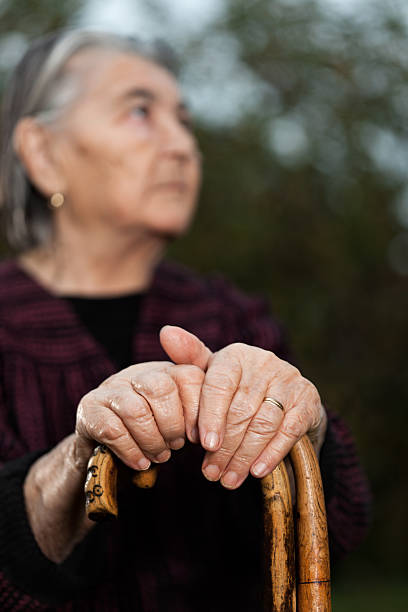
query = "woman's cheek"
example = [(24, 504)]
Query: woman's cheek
[(137, 129)]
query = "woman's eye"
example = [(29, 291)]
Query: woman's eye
[(139, 111)]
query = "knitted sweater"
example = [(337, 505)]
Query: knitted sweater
[(186, 545)]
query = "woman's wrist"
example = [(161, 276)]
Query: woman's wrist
[(54, 498)]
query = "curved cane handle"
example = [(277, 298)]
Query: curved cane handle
[(312, 550), (101, 484)]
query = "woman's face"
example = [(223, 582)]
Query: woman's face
[(124, 150)]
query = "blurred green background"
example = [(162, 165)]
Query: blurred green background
[(301, 109)]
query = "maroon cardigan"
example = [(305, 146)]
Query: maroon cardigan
[(186, 545)]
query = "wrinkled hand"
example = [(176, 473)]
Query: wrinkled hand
[(139, 412), (240, 431)]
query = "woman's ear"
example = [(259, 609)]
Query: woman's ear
[(32, 145)]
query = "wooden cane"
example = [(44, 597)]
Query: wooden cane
[(313, 580), (313, 564), (279, 542), (101, 484)]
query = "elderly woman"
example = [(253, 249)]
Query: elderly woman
[(103, 342)]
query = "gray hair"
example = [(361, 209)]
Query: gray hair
[(41, 87)]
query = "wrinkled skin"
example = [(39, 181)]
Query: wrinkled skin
[(145, 410)]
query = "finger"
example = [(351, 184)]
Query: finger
[(244, 405), (220, 384), (189, 380), (262, 428), (109, 429), (162, 396), (183, 347), (296, 423), (136, 414), (248, 371)]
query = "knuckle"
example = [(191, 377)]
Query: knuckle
[(221, 456), (238, 346), (272, 456), (81, 412), (104, 430), (132, 410), (309, 394), (271, 358), (154, 385), (241, 461), (219, 382), (117, 403), (291, 369), (87, 406), (173, 431), (142, 416), (294, 427), (163, 388), (241, 411), (314, 394), (153, 447), (295, 371), (189, 374), (306, 386), (262, 426), (85, 402), (115, 437)]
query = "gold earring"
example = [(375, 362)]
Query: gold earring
[(57, 200)]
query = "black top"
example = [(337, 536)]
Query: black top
[(111, 321)]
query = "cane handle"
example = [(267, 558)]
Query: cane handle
[(101, 484)]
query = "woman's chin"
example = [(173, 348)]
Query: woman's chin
[(171, 225), (170, 231)]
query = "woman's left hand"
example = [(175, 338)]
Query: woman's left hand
[(240, 431)]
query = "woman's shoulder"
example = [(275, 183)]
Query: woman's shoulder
[(9, 272), (13, 285), (16, 287), (9, 293), (25, 306)]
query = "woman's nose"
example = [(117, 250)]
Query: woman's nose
[(177, 140)]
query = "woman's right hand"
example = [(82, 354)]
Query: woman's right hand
[(141, 413), (138, 414)]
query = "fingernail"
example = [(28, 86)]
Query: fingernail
[(229, 480), (177, 443), (143, 464), (161, 457), (211, 440), (212, 472), (194, 437), (260, 470)]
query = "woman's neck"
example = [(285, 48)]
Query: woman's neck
[(92, 266)]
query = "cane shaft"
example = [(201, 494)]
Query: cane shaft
[(313, 590), (280, 569)]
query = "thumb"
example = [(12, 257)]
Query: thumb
[(183, 347)]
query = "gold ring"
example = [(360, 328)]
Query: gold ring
[(275, 402)]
